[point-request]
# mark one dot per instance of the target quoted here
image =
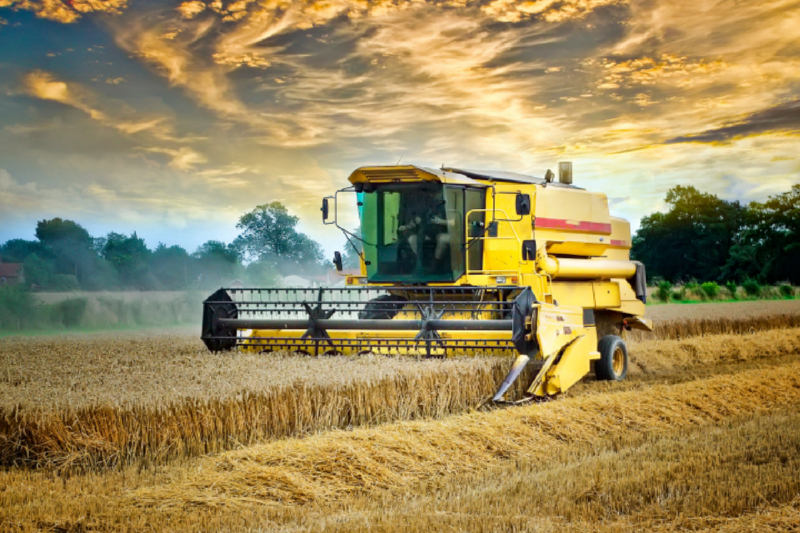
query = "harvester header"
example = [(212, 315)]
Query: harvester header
[(461, 262)]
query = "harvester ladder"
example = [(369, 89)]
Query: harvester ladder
[(547, 287)]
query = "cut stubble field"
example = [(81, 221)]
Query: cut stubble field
[(129, 431)]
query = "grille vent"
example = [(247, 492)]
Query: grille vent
[(391, 174)]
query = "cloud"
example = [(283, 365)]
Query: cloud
[(5, 180), (152, 132), (183, 158), (189, 10), (369, 69), (667, 69), (549, 10), (783, 117), (285, 97), (66, 11), (45, 86)]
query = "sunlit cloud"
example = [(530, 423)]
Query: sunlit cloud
[(183, 158), (549, 10), (780, 118), (191, 9), (66, 11), (261, 100), (149, 131)]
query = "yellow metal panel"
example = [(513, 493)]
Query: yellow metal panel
[(575, 293), (561, 328), (606, 294), (630, 307), (384, 347), (575, 363), (599, 202), (626, 292), (620, 240), (574, 221), (557, 326)]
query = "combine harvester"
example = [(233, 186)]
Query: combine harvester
[(461, 262)]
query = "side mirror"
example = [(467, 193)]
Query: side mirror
[(325, 210), (337, 261), (523, 204)]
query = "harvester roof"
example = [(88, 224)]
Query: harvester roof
[(410, 173), (513, 177), (450, 176)]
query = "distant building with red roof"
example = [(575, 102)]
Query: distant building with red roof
[(11, 273)]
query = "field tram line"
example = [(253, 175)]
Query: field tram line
[(100, 437)]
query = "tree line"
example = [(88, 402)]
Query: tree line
[(705, 238), (700, 237), (65, 256)]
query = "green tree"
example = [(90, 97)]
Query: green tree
[(16, 250), (38, 271), (171, 266), (692, 239), (269, 234), (71, 244), (217, 263), (260, 274), (130, 257), (351, 257), (768, 247)]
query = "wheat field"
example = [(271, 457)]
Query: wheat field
[(94, 403), (133, 432)]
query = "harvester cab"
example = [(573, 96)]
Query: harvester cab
[(461, 262)]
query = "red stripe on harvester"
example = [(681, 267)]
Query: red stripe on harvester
[(582, 225), (615, 242)]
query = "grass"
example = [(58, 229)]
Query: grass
[(724, 300)]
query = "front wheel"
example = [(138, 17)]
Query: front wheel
[(613, 362)]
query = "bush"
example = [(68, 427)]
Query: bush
[(70, 312), (664, 288), (65, 283), (710, 289), (787, 291), (679, 295), (18, 309), (733, 288), (691, 286), (751, 287)]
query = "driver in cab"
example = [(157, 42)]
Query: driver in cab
[(429, 216)]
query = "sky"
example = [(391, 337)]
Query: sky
[(172, 119)]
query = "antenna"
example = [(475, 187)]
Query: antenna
[(398, 161)]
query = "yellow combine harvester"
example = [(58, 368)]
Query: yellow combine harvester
[(460, 262)]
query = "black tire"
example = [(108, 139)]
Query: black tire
[(613, 362), (383, 307)]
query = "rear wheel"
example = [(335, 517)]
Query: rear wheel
[(613, 362)]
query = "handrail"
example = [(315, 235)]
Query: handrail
[(467, 241)]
